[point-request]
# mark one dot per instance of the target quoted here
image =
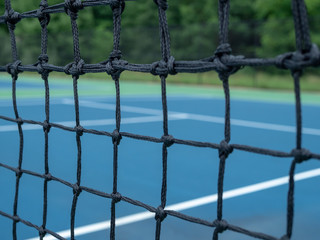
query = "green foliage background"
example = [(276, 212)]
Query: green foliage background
[(258, 28)]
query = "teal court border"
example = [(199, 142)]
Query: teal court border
[(99, 88)]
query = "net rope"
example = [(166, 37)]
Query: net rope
[(222, 61)]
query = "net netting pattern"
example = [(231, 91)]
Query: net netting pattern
[(222, 61)]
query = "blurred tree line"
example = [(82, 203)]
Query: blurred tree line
[(258, 28)]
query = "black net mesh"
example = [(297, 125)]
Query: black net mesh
[(222, 61)]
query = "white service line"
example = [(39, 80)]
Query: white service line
[(253, 124), (91, 123), (200, 117), (109, 106), (187, 204)]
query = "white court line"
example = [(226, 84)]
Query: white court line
[(110, 106), (133, 98), (172, 116), (187, 204), (102, 122), (205, 118), (253, 124)]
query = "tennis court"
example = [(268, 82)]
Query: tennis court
[(255, 187)]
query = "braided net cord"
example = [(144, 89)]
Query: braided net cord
[(222, 61)]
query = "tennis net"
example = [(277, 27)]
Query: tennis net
[(222, 61)]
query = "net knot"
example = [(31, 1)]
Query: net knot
[(12, 68), (155, 65), (116, 197), (79, 130), (74, 68), (42, 232), (221, 225), (170, 64), (46, 126), (281, 60), (19, 121), (118, 5), (67, 68), (301, 155), (222, 56), (162, 4), (47, 176), (18, 173), (16, 218), (116, 137), (111, 70), (225, 149), (115, 56), (160, 214), (167, 140), (44, 18), (42, 59), (163, 68), (12, 17), (44, 73), (296, 61), (109, 66), (76, 189), (72, 7), (79, 67)]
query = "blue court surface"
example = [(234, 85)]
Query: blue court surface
[(255, 185)]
